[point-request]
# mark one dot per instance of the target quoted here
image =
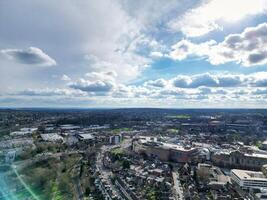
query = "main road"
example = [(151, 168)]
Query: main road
[(106, 174), (178, 191)]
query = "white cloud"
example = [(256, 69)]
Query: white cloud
[(98, 87), (199, 80), (258, 79), (181, 86), (260, 91), (98, 83), (126, 65), (65, 78), (156, 54), (210, 15), (199, 89), (156, 83), (127, 37), (30, 56), (71, 31), (50, 92), (185, 48), (150, 13), (110, 75), (248, 48)]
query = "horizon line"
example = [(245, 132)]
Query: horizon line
[(113, 108)]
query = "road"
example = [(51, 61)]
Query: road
[(178, 191), (106, 173), (78, 188), (125, 193)]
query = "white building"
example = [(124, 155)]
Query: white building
[(115, 139), (249, 179), (10, 156), (23, 132), (264, 145), (52, 137), (85, 137)]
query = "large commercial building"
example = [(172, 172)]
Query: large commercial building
[(165, 151), (249, 179), (237, 159)]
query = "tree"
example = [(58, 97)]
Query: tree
[(87, 191), (126, 164)]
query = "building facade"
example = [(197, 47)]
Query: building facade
[(166, 152), (248, 179), (240, 160)]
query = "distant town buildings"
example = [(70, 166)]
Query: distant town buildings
[(165, 155)]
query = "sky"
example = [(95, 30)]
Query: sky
[(141, 53)]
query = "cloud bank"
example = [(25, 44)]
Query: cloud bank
[(248, 48), (211, 14), (197, 89)]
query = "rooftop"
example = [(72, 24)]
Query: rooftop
[(51, 137), (86, 136), (149, 140), (249, 175)]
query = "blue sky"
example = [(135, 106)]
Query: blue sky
[(122, 53)]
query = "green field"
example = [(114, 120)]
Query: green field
[(179, 116), (173, 130)]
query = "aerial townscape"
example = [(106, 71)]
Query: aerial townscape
[(133, 99), (133, 154)]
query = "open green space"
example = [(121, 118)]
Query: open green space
[(179, 116)]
